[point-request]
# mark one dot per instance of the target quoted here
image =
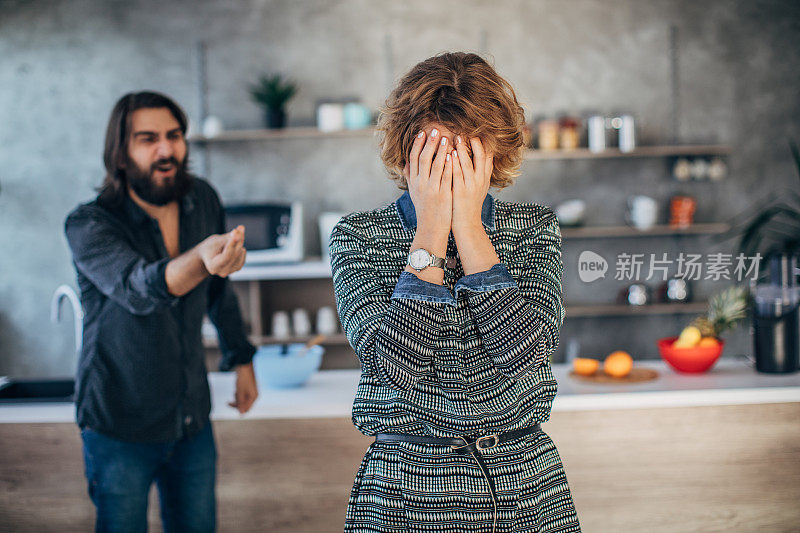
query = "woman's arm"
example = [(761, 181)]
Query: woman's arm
[(519, 319), (393, 331)]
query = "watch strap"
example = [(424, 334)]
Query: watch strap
[(437, 261)]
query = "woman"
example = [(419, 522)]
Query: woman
[(452, 301)]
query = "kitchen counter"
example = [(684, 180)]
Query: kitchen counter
[(722, 447), (330, 393)]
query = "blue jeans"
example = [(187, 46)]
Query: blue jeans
[(121, 473)]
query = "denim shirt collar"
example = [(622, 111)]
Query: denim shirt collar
[(408, 215)]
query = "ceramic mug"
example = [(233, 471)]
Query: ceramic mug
[(326, 321), (281, 328), (330, 117), (301, 322), (356, 116), (642, 212)]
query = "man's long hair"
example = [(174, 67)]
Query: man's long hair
[(118, 132)]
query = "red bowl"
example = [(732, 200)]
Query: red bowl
[(690, 360)]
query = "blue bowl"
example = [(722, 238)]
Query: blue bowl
[(279, 366)]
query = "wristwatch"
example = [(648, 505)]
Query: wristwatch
[(421, 259)]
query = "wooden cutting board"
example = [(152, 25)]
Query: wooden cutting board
[(637, 375)]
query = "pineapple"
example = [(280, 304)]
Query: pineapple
[(725, 309), (705, 326)]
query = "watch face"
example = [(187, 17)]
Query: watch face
[(419, 258)]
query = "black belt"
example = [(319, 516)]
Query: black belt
[(465, 445), (461, 444)]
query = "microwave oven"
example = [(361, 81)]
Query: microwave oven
[(273, 231)]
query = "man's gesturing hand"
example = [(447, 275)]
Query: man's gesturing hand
[(223, 255)]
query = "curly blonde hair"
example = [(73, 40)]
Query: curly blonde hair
[(462, 92)]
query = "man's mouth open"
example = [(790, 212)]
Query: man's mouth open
[(167, 168)]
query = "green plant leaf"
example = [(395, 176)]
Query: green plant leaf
[(795, 155), (272, 91)]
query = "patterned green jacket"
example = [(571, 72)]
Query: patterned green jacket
[(467, 357)]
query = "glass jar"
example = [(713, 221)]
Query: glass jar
[(569, 133), (548, 135)]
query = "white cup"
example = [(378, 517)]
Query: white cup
[(301, 322), (330, 117), (212, 127), (326, 321), (281, 328), (642, 212)]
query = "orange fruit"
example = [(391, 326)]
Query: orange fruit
[(585, 366), (708, 341), (618, 364)]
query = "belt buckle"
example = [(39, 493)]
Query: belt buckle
[(494, 440)]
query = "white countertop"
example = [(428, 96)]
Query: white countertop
[(330, 394)]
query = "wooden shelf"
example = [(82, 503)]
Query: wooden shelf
[(599, 310), (573, 311), (331, 340), (594, 232), (338, 339), (311, 132), (286, 133), (642, 151), (318, 268)]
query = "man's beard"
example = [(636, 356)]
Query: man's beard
[(145, 186)]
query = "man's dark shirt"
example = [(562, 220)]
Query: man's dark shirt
[(142, 375)]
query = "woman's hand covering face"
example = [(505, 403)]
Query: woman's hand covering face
[(442, 177), (429, 174), (471, 178)]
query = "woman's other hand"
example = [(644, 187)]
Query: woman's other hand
[(429, 174), (471, 177)]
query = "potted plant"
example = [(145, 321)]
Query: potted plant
[(772, 229), (773, 232), (272, 92)]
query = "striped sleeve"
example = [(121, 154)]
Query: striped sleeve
[(393, 337), (519, 320)]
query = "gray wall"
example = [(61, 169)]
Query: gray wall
[(65, 63)]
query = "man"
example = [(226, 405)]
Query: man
[(152, 258)]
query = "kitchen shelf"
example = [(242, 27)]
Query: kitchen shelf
[(260, 340), (279, 134), (595, 310), (338, 339), (311, 132), (572, 311), (593, 232), (641, 151), (318, 268)]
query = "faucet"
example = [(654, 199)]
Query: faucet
[(65, 291)]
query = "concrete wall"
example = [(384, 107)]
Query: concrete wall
[(65, 64)]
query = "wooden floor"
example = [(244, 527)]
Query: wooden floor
[(732, 468)]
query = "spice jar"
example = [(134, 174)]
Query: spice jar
[(548, 135), (569, 133), (681, 211)]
